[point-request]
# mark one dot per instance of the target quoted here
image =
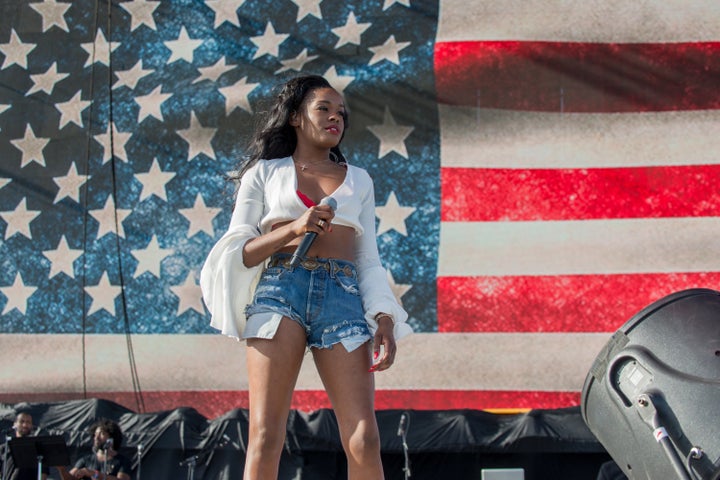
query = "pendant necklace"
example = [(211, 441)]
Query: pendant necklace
[(304, 165)]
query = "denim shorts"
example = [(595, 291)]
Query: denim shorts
[(322, 295)]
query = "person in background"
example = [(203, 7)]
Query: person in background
[(105, 462), (334, 299), (22, 427)]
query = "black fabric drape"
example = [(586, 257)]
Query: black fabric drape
[(448, 444)]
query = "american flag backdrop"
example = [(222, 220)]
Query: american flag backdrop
[(543, 170)]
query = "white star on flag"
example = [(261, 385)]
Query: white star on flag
[(18, 220), (269, 42), (190, 296), (62, 259), (106, 217), (69, 184), (141, 13), (225, 10), (119, 140), (213, 72), (150, 104), (99, 50), (199, 138), (31, 147), (308, 7), (154, 181), (237, 96), (398, 289), (71, 111), (16, 51), (150, 258), (45, 82), (351, 31), (17, 295), (339, 82), (391, 135), (131, 77), (183, 47), (392, 216), (390, 3), (53, 13), (296, 63), (200, 217), (390, 51), (102, 295)]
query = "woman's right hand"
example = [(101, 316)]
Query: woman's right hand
[(315, 219), (257, 249)]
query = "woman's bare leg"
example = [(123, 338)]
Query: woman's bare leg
[(273, 367), (351, 389)]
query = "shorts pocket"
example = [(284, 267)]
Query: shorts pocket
[(272, 285)]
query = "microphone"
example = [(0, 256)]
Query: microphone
[(309, 238), (402, 432), (401, 427), (108, 443)]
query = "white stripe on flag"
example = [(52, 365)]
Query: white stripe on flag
[(486, 138), (649, 245), (425, 361), (617, 21)]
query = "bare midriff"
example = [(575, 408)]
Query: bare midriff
[(339, 243)]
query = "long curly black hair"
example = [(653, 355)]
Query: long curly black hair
[(112, 429), (275, 137)]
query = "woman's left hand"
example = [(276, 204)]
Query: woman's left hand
[(385, 338)]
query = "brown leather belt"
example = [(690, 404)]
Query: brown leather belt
[(310, 264)]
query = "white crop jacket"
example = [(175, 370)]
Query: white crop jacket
[(267, 195)]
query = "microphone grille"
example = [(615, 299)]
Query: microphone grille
[(330, 201)]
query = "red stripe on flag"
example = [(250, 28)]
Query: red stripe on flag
[(212, 404), (473, 399), (579, 77), (563, 303), (486, 194)]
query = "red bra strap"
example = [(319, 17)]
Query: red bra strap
[(305, 199)]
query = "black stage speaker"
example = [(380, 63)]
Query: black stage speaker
[(652, 396)]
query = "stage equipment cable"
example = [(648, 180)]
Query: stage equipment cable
[(137, 391)]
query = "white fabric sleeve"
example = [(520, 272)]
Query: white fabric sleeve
[(377, 296), (227, 284)]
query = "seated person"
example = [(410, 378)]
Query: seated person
[(22, 427), (105, 462)]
